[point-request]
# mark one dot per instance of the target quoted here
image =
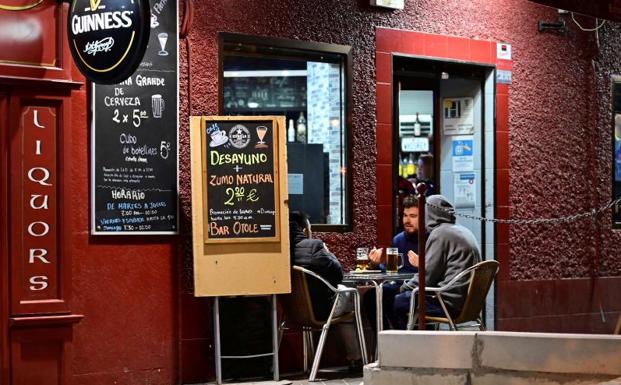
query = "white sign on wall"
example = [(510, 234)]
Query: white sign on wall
[(458, 116), (462, 153), (464, 189), (415, 144), (393, 4)]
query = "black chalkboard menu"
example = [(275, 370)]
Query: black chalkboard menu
[(241, 181), (134, 139)]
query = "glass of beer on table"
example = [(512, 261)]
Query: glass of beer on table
[(362, 258), (392, 260)]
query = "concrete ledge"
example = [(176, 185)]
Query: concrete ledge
[(551, 353), (486, 358), (426, 349)]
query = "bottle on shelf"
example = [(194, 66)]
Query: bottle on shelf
[(301, 128), (417, 126), (411, 166), (291, 132)]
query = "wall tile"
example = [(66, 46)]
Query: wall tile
[(384, 144), (502, 149), (384, 103), (502, 113), (458, 48), (412, 43), (383, 67), (384, 224), (436, 45), (502, 187), (384, 183), (480, 51)]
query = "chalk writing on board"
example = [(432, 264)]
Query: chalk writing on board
[(240, 180), (134, 139)]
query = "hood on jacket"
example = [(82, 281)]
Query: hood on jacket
[(437, 211)]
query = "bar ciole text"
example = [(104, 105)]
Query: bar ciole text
[(39, 197)]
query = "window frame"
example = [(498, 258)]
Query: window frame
[(615, 81), (315, 48)]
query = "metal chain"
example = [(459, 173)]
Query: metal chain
[(570, 218)]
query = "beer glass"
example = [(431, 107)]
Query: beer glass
[(362, 258), (392, 260), (157, 105)]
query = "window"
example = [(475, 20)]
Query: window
[(616, 147), (309, 84)]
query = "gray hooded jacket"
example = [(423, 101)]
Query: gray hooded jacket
[(450, 249)]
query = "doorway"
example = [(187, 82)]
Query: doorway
[(443, 135)]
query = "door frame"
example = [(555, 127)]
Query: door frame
[(4, 237)]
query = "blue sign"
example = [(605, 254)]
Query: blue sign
[(463, 147)]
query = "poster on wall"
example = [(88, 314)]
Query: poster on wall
[(458, 116), (134, 139), (464, 188), (617, 153), (462, 153), (241, 185)]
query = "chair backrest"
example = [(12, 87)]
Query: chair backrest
[(298, 305), (481, 279)]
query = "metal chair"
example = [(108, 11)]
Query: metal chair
[(482, 276), (299, 309)]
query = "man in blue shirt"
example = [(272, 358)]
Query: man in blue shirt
[(407, 243)]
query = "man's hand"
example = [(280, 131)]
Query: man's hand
[(375, 256), (413, 258)]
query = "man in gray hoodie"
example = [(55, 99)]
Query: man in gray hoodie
[(450, 249)]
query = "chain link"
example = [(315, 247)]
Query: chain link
[(570, 218)]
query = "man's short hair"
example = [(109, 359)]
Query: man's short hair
[(426, 159), (410, 201), (299, 218)]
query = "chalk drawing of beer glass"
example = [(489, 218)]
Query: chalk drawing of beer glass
[(261, 132), (163, 38), (157, 105)]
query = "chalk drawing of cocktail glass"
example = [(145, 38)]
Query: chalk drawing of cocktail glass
[(261, 132), (163, 38)]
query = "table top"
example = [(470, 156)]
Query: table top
[(376, 276)]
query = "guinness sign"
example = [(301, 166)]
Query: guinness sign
[(108, 38)]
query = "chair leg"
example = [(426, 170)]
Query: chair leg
[(360, 330), (320, 345), (305, 348), (448, 316)]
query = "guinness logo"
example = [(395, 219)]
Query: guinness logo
[(108, 38)]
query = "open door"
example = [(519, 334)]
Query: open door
[(443, 132)]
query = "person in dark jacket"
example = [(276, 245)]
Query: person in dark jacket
[(450, 249), (313, 255)]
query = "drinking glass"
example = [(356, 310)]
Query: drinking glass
[(362, 258), (392, 260)]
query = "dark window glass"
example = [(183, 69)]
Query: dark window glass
[(306, 83)]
